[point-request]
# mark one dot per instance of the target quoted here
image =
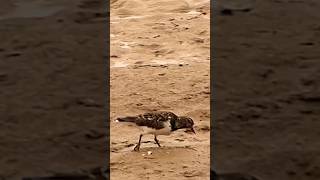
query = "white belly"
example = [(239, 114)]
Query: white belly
[(164, 131)]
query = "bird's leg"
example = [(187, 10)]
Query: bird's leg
[(156, 140), (137, 148)]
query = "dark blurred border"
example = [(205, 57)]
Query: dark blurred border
[(212, 86), (107, 90), (23, 27)]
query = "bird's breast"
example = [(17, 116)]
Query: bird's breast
[(163, 131)]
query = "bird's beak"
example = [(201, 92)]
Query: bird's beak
[(192, 130)]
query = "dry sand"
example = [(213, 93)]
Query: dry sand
[(160, 54)]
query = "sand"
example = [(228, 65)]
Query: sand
[(160, 60), (266, 87)]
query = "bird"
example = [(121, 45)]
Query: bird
[(158, 123)]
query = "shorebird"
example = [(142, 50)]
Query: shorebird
[(158, 123)]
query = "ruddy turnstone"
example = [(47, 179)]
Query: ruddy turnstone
[(158, 123)]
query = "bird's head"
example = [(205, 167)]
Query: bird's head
[(186, 123)]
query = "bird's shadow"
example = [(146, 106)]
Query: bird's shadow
[(156, 148)]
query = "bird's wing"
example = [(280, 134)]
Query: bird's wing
[(152, 120), (169, 115)]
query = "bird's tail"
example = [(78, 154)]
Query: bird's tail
[(126, 119)]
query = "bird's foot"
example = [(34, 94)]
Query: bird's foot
[(157, 141), (136, 148)]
